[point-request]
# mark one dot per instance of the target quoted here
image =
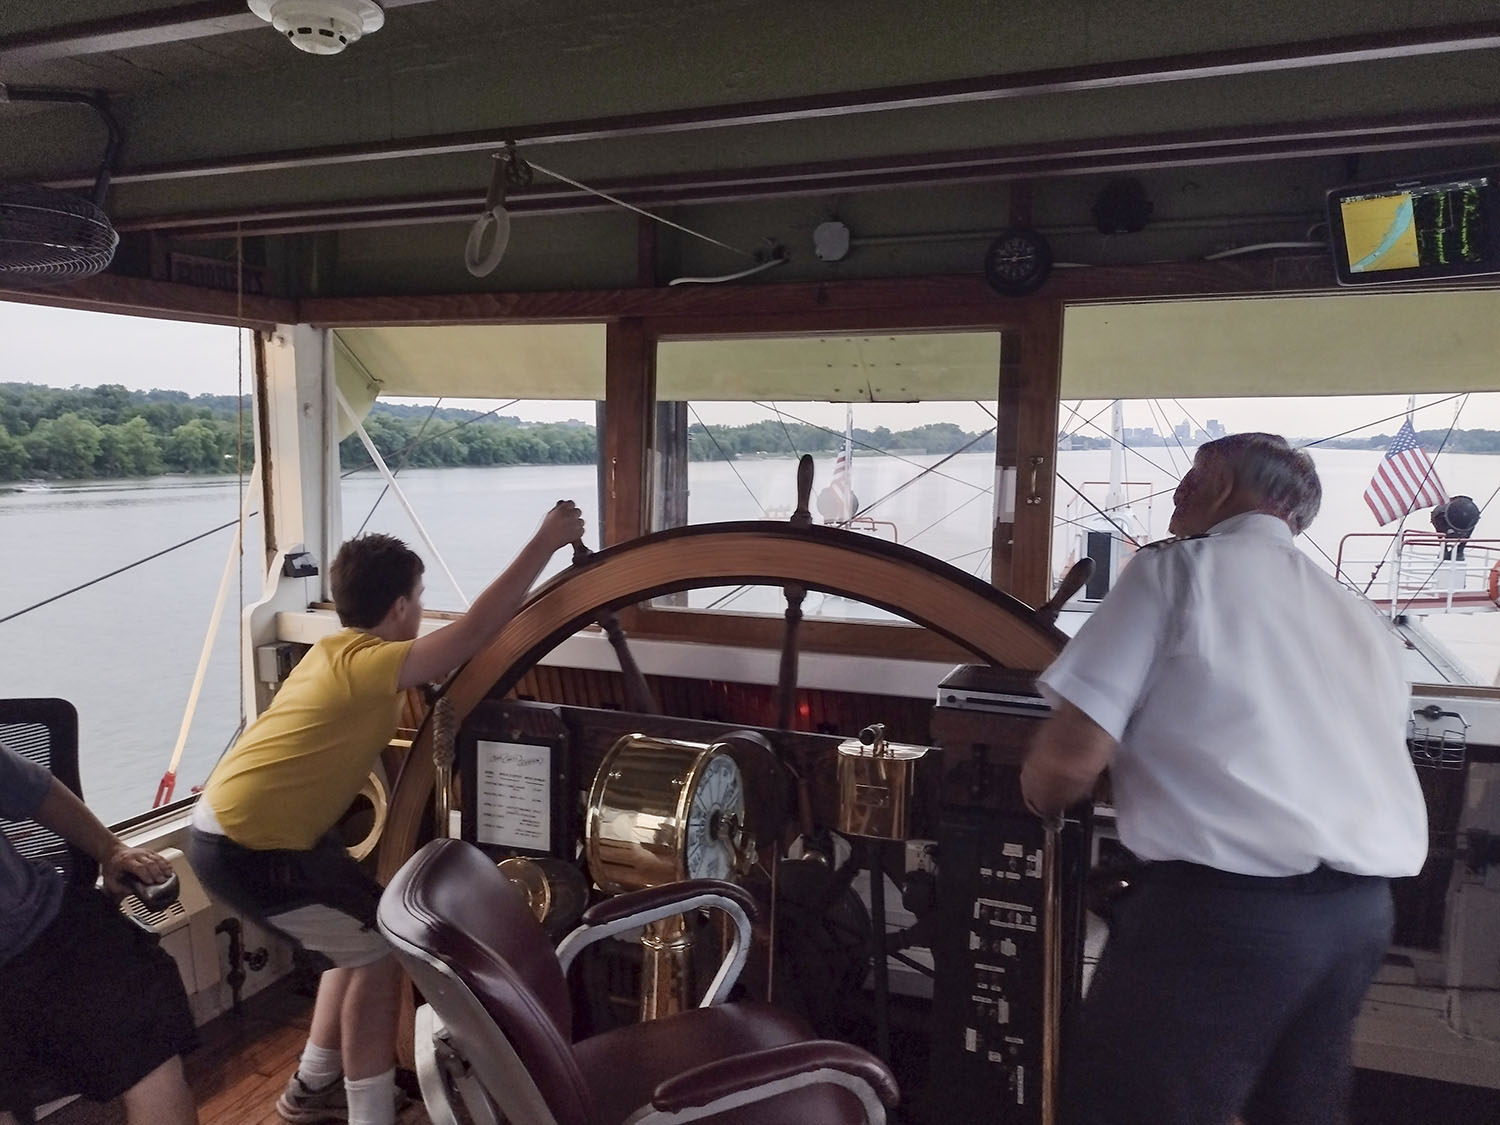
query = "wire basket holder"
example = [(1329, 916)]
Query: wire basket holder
[(1438, 738)]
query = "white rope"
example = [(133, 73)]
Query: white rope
[(618, 202)]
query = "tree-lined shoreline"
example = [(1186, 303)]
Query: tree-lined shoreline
[(109, 431)]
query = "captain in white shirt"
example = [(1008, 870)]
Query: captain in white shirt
[(1252, 715)]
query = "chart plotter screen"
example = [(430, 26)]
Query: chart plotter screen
[(1422, 230)]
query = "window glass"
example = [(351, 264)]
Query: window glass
[(899, 454)]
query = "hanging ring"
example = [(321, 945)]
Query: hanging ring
[(494, 223)]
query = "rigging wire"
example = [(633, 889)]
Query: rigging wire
[(414, 444), (121, 570), (797, 453), (1387, 418), (866, 445), (1490, 501), (1090, 419), (1187, 459), (907, 484), (405, 456), (728, 461), (953, 512)]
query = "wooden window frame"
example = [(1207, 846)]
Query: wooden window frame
[(1026, 393)]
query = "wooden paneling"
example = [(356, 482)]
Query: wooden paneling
[(630, 400), (1007, 452), (961, 300), (132, 296), (853, 638), (1040, 377), (721, 701)]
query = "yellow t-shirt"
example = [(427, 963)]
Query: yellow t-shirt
[(296, 769)]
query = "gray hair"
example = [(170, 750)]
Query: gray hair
[(1283, 479)]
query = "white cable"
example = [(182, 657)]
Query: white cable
[(1265, 246), (728, 276)]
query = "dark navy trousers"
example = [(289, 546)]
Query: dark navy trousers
[(1221, 995)]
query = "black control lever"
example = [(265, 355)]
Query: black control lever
[(154, 896)]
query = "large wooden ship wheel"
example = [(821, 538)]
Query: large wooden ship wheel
[(997, 628)]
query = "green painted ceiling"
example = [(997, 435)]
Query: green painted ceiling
[(459, 65)]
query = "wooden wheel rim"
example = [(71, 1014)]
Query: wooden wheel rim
[(996, 627)]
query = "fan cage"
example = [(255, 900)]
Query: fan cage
[(48, 235)]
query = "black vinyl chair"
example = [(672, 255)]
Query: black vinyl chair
[(45, 731)]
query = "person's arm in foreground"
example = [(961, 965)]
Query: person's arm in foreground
[(436, 654), (1067, 756), (70, 818)]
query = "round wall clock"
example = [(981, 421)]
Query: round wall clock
[(1017, 262)]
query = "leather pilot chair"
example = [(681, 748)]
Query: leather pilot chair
[(497, 1022)]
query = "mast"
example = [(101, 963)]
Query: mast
[(1114, 499)]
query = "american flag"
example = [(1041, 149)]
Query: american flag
[(1405, 479), (837, 502), (840, 484)]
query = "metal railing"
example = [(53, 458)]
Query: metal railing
[(1421, 570)]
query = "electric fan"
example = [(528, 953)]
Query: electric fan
[(49, 236)]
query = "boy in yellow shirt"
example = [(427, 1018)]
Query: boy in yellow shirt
[(261, 829)]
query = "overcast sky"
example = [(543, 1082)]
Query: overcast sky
[(64, 348)]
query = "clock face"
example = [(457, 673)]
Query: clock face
[(1017, 262), (716, 812)]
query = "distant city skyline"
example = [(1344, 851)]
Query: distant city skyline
[(65, 347)]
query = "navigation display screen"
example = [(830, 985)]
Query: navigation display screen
[(1444, 226)]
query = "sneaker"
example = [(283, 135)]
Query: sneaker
[(301, 1104)]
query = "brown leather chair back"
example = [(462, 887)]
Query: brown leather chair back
[(470, 942)]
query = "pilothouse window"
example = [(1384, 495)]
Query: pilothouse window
[(901, 428)]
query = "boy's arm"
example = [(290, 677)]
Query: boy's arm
[(435, 655), (65, 814)]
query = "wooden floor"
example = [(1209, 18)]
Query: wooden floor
[(241, 1065)]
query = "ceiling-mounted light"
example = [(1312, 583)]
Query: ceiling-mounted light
[(321, 27)]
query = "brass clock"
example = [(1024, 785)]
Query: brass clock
[(662, 810)]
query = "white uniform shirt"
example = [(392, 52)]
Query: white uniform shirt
[(1260, 710)]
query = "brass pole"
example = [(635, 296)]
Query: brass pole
[(666, 968)]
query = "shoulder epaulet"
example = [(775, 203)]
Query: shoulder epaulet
[(1160, 543)]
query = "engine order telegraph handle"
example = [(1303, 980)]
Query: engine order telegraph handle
[(154, 896)]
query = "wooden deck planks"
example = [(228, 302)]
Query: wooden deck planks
[(241, 1064)]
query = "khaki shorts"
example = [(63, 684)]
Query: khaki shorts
[(321, 899)]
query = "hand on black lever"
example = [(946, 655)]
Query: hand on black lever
[(141, 872), (154, 896)]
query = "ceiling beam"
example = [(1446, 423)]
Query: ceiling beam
[(138, 29), (135, 296), (868, 305), (1102, 76), (1078, 157)]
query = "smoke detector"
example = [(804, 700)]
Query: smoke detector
[(321, 27)]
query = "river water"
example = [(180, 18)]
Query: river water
[(124, 650)]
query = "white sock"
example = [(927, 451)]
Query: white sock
[(319, 1066), (372, 1101)]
